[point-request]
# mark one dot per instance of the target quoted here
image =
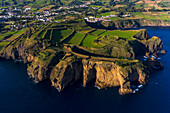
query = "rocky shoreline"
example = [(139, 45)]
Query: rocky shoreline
[(65, 66)]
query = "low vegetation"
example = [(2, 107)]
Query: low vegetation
[(89, 41), (98, 32), (2, 44), (58, 35), (76, 39), (120, 33)]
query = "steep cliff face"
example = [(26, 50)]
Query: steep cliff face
[(89, 72), (43, 63), (109, 74), (154, 45), (68, 70), (103, 73), (142, 35)]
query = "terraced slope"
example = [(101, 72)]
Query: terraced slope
[(120, 33), (89, 41), (76, 39)]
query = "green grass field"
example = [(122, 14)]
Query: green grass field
[(2, 44), (2, 36), (98, 32), (120, 33), (13, 33), (96, 6), (41, 34), (17, 34), (57, 35), (85, 30), (138, 5), (151, 16), (76, 38), (48, 33), (20, 32), (109, 13), (164, 17), (116, 18), (89, 41)]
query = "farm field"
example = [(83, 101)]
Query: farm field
[(96, 6), (2, 44), (152, 16), (89, 41), (86, 30), (76, 38), (2, 36), (11, 35), (57, 35), (109, 13), (17, 34), (42, 34), (121, 34), (116, 18), (98, 32), (48, 33)]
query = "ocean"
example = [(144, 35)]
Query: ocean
[(18, 94)]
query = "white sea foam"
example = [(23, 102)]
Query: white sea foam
[(97, 87)]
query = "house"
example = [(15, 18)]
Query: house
[(92, 19), (27, 9), (10, 13)]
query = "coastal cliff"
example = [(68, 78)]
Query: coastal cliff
[(106, 66), (102, 73), (156, 23), (22, 48), (130, 23)]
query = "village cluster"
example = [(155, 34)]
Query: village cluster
[(104, 18), (47, 15), (27, 14)]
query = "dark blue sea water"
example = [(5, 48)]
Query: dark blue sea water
[(20, 95)]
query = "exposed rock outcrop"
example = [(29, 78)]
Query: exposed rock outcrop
[(142, 35), (103, 73), (163, 52), (41, 66), (154, 45), (109, 74), (89, 72), (66, 71)]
